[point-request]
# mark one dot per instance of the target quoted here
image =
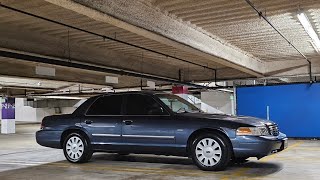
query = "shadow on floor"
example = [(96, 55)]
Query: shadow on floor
[(256, 168), (143, 159), (105, 166)]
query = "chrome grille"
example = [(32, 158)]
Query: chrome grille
[(273, 129)]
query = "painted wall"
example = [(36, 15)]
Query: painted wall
[(30, 114), (221, 101), (25, 113), (296, 108), (199, 104), (0, 109)]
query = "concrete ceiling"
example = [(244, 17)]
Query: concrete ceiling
[(235, 22), (225, 35)]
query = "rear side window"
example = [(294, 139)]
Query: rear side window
[(106, 105), (138, 104)]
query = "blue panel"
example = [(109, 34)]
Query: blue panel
[(296, 108)]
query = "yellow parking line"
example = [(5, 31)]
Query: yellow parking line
[(309, 148), (150, 169), (242, 171), (225, 178), (294, 145), (100, 167), (193, 173), (272, 156), (141, 170)]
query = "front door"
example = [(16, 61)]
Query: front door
[(146, 124), (103, 120)]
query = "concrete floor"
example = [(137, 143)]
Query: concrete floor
[(22, 158)]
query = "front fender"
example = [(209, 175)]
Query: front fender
[(183, 135)]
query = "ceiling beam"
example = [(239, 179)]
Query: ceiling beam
[(29, 57), (277, 67), (149, 22), (41, 44)]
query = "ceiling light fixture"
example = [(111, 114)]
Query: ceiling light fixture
[(309, 29), (58, 97)]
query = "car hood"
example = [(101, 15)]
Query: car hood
[(224, 117)]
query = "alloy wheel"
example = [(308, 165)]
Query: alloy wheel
[(208, 152), (74, 148)]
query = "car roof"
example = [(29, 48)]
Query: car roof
[(135, 92), (87, 104)]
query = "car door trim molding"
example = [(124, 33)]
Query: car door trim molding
[(134, 136), (107, 135), (147, 136), (106, 126)]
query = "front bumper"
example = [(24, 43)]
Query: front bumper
[(49, 138), (258, 146)]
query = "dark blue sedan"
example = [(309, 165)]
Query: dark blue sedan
[(162, 124)]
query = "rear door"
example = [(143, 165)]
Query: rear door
[(147, 124), (103, 120)]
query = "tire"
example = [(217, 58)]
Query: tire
[(76, 148), (211, 152)]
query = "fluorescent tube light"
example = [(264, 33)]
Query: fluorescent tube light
[(59, 97), (112, 80), (45, 71), (309, 29)]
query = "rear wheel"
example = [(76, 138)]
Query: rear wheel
[(76, 148), (211, 152)]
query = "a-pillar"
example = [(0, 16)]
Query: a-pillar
[(8, 125)]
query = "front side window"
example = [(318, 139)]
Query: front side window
[(138, 104), (106, 105), (177, 104)]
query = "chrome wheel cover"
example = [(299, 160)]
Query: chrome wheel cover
[(208, 152), (74, 148)]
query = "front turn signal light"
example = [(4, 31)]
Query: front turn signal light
[(252, 131), (242, 131)]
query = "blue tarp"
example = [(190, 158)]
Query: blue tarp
[(295, 108)]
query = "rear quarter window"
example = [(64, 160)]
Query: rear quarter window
[(106, 105)]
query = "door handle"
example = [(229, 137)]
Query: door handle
[(127, 122), (88, 121)]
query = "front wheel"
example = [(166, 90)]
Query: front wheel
[(211, 152), (76, 148)]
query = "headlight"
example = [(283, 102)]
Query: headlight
[(252, 131)]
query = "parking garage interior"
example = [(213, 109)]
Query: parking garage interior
[(256, 58)]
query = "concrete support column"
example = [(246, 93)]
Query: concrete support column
[(233, 109), (8, 125), (234, 101)]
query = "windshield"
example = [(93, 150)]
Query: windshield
[(177, 104)]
